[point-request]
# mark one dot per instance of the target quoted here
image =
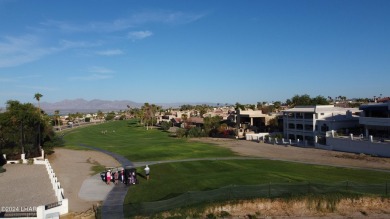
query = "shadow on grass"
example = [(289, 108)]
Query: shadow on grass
[(141, 175), (132, 123)]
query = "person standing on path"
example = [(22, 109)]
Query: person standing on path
[(122, 176), (116, 176), (108, 177), (147, 172)]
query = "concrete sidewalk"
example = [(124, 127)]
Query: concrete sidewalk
[(95, 189), (113, 203)]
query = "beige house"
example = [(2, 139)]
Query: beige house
[(253, 119)]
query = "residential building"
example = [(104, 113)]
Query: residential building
[(222, 112), (253, 119), (304, 123), (376, 119)]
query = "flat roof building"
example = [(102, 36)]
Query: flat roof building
[(376, 119), (307, 122)]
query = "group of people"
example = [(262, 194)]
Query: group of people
[(114, 176), (125, 176)]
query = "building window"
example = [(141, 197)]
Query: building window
[(309, 115), (309, 127), (324, 128), (309, 138), (299, 115), (291, 136), (299, 126), (291, 126)]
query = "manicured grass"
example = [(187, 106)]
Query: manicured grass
[(138, 144), (172, 179)]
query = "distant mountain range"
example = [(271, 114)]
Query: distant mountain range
[(84, 106)]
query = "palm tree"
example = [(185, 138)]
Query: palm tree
[(100, 116), (57, 118), (146, 108), (38, 96)]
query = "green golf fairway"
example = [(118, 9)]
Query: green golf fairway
[(168, 180), (171, 179), (138, 144)]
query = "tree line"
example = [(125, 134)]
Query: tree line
[(26, 129)]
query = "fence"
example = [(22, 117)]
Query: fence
[(271, 190)]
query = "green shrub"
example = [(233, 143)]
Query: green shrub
[(250, 216), (56, 141), (211, 216), (195, 132), (181, 133), (224, 214), (278, 136), (165, 125), (30, 161)]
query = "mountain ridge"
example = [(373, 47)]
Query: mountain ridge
[(81, 105)]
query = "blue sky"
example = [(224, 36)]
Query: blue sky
[(193, 50)]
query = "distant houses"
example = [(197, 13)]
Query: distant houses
[(331, 127)]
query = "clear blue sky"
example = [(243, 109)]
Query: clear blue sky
[(193, 50)]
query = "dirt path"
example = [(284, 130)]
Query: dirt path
[(72, 167), (304, 155)]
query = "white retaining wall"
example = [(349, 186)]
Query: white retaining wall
[(359, 146), (255, 137)]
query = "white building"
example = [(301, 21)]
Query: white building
[(376, 119), (307, 122)]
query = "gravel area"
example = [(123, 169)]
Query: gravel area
[(25, 186)]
